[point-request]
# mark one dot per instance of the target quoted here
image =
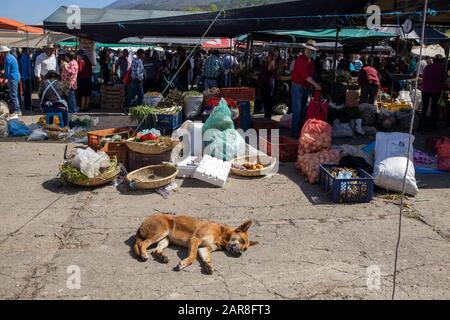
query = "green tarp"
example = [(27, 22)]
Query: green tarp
[(347, 35)]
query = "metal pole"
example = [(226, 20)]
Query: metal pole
[(338, 28), (247, 50), (373, 50), (411, 126)]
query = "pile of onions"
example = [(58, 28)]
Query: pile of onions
[(314, 149), (309, 163), (315, 136)]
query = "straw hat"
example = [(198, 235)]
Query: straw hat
[(311, 45), (50, 46), (4, 49)]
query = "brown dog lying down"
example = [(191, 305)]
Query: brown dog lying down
[(199, 236)]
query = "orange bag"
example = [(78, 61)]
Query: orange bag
[(315, 136)]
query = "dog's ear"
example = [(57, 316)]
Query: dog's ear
[(253, 243), (244, 227)]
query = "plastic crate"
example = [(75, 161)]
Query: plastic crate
[(119, 150), (94, 137), (138, 160), (355, 190), (287, 148), (169, 121)]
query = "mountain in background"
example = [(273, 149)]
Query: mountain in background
[(189, 5)]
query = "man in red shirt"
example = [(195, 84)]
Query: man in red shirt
[(302, 83), (369, 81)]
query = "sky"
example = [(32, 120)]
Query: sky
[(34, 11)]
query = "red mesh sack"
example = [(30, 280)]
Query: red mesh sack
[(315, 136)]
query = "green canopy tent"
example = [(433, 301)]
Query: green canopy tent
[(346, 35)]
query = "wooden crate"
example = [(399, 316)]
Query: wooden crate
[(113, 97)]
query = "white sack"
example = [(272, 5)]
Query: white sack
[(390, 162)]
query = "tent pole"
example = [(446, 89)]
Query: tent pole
[(338, 28), (373, 51), (247, 50), (251, 50)]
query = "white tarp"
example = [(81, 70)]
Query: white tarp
[(31, 40)]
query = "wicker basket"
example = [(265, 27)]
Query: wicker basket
[(153, 177), (106, 177), (145, 148), (266, 161)]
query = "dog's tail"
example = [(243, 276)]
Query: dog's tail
[(137, 244)]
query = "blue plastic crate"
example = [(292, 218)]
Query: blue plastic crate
[(169, 121), (354, 190)]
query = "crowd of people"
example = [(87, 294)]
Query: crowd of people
[(141, 71), (373, 73)]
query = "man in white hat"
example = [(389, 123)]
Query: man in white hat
[(45, 62), (12, 74), (302, 83)]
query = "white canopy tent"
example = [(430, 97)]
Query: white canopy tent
[(31, 40)]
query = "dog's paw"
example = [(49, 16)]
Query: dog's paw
[(179, 267), (208, 269), (160, 257), (144, 257)]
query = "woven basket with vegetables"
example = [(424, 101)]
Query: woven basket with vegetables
[(73, 175), (157, 146)]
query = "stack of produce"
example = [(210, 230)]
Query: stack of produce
[(315, 149)]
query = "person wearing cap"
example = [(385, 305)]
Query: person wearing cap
[(434, 77), (45, 62), (302, 83), (12, 74), (137, 79), (52, 95), (213, 69)]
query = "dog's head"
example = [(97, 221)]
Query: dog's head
[(238, 240)]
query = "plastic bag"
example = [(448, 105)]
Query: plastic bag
[(390, 162), (315, 136), (342, 130), (418, 103), (192, 106), (280, 109), (38, 135), (4, 110), (17, 128), (220, 118), (90, 162), (309, 164), (224, 145), (317, 108), (3, 127)]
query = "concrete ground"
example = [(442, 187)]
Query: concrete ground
[(309, 248)]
